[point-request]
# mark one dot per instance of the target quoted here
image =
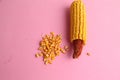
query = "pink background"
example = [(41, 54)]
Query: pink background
[(22, 22)]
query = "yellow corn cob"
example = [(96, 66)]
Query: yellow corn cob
[(78, 21), (78, 26)]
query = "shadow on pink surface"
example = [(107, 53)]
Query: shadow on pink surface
[(67, 30)]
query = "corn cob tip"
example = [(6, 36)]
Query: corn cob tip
[(77, 46)]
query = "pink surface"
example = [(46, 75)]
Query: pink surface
[(22, 22)]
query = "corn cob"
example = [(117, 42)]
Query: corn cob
[(78, 26)]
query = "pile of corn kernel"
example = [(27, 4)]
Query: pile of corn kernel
[(50, 47)]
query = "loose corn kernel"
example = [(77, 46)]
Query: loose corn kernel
[(52, 56), (50, 47), (57, 53), (40, 54), (47, 55), (88, 54), (40, 48), (62, 50), (37, 55), (49, 61), (66, 48), (52, 34), (46, 62)]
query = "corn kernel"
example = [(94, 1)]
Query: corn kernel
[(46, 62), (88, 54), (62, 50), (37, 55), (52, 34), (47, 55), (66, 48), (40, 48), (49, 61)]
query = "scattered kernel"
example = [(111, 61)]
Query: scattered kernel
[(62, 50), (40, 54), (66, 48), (52, 34), (49, 61), (88, 54), (47, 55), (37, 55), (46, 62), (40, 48)]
